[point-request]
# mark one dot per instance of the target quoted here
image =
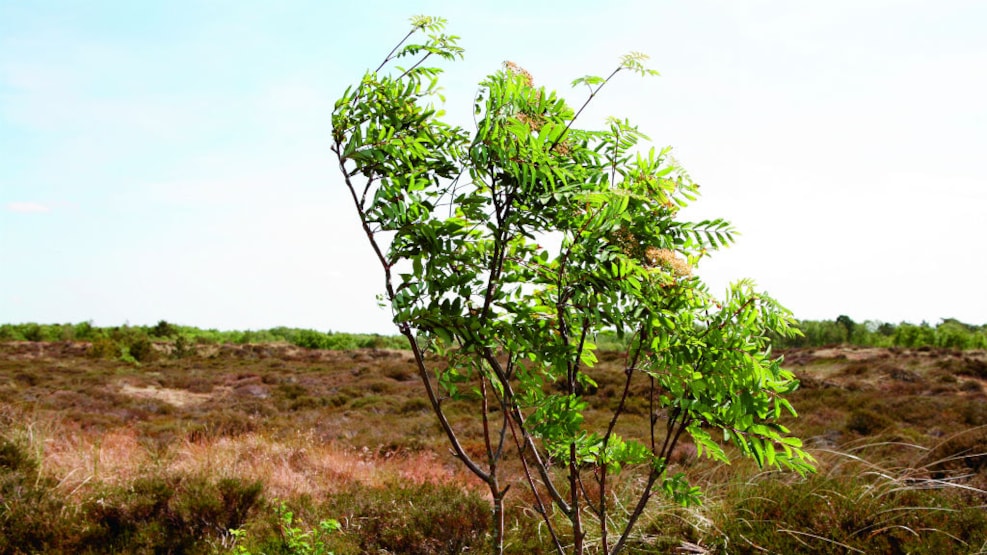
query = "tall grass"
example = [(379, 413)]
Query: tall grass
[(856, 504)]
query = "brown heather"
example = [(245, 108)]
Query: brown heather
[(100, 455), (289, 466)]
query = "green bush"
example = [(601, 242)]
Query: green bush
[(291, 539), (15, 458), (948, 334), (10, 332), (84, 331), (183, 347), (142, 349), (105, 348), (32, 332), (163, 330)]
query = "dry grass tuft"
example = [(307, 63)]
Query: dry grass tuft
[(289, 467)]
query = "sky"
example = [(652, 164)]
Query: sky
[(169, 160)]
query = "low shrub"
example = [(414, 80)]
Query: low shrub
[(168, 514), (32, 514), (867, 422), (376, 404), (105, 348), (163, 330), (412, 519), (415, 404), (142, 350), (959, 454), (183, 347)]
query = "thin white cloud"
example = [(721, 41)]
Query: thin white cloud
[(27, 207)]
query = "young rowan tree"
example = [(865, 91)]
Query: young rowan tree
[(463, 225)]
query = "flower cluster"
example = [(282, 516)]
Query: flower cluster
[(667, 259), (650, 256)]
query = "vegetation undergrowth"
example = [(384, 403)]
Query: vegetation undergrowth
[(173, 454)]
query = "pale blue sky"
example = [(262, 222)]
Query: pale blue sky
[(169, 160)]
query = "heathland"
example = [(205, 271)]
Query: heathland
[(135, 442)]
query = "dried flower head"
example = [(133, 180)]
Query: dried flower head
[(626, 241), (667, 259), (649, 256), (515, 69), (563, 148), (533, 123)]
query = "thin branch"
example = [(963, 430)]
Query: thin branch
[(484, 408), (518, 420), (390, 55), (652, 411), (405, 330), (583, 107), (506, 418), (576, 515), (589, 502), (437, 408), (629, 371), (656, 472), (613, 161), (363, 221), (412, 68), (574, 362), (539, 504), (602, 513)]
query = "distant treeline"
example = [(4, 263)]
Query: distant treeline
[(947, 334), (164, 331)]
